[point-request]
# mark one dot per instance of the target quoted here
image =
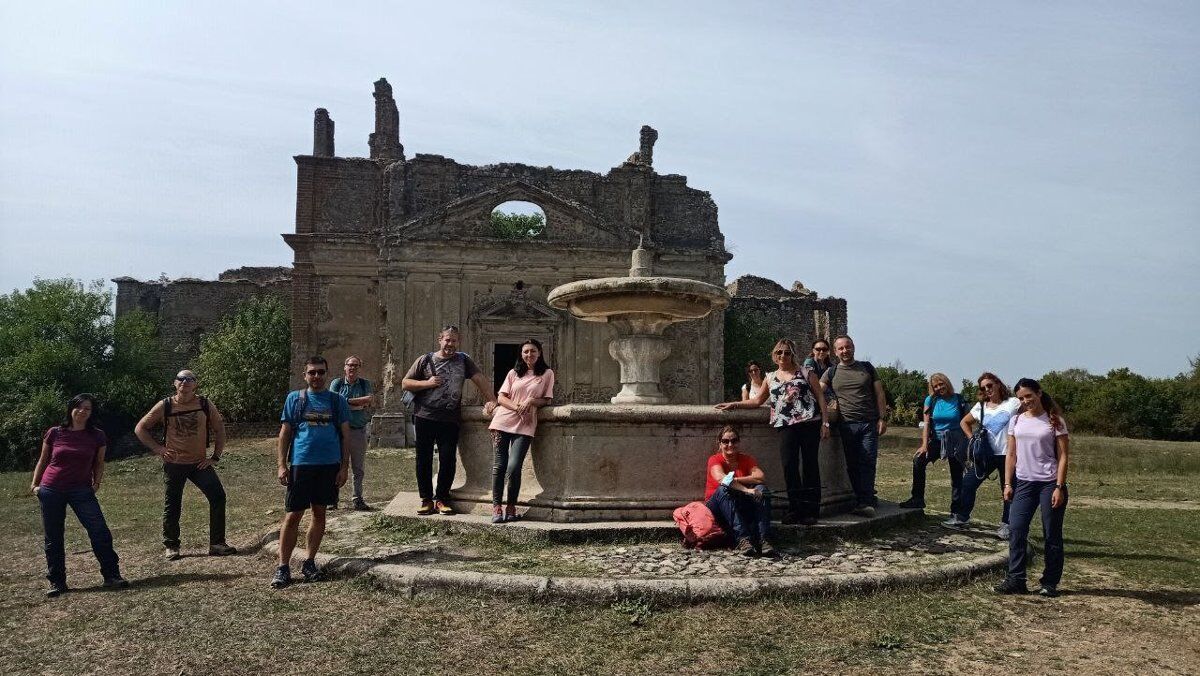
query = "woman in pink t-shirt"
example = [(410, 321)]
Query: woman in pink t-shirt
[(527, 387), (68, 472), (1035, 477)]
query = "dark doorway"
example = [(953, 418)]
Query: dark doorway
[(504, 356)]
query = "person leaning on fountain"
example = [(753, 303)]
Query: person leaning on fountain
[(436, 381), (735, 492), (797, 409)]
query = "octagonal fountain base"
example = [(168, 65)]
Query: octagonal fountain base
[(608, 462)]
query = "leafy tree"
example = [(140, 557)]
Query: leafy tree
[(243, 364), (59, 338), (905, 391), (746, 338), (517, 226)]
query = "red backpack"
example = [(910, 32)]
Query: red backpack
[(699, 527)]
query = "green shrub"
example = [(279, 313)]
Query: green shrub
[(747, 338), (517, 226), (243, 363), (60, 339)]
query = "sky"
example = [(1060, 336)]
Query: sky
[(1002, 186)]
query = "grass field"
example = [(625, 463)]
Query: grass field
[(1130, 598)]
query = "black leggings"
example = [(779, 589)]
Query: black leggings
[(799, 447)]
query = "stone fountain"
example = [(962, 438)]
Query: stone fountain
[(640, 457)]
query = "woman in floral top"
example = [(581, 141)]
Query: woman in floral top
[(797, 409)]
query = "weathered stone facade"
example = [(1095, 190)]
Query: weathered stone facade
[(796, 313), (387, 249), (188, 308)]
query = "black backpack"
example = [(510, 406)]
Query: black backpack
[(167, 415)]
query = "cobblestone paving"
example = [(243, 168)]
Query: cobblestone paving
[(926, 546)]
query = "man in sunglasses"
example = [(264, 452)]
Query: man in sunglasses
[(189, 423), (312, 464)]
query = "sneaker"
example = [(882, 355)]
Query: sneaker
[(310, 571), (1003, 532), (332, 507), (361, 505), (117, 582), (912, 503), (955, 521), (864, 510), (497, 514), (172, 554), (769, 551), (1009, 586), (1048, 591), (57, 588), (283, 577), (510, 514), (744, 548), (426, 508), (221, 549), (443, 508)]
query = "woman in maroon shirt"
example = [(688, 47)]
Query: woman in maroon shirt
[(69, 472)]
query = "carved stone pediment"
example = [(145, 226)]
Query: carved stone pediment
[(470, 217), (514, 306)]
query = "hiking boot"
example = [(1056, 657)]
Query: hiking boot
[(497, 514), (744, 548), (426, 508), (769, 551), (912, 503), (864, 510), (1009, 586), (361, 505), (57, 588), (443, 508), (955, 521), (172, 554), (1003, 532), (1048, 591), (310, 571), (221, 549), (283, 577), (117, 582)]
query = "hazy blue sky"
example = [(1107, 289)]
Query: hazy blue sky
[(990, 185)]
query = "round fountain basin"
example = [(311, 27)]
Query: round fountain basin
[(608, 298)]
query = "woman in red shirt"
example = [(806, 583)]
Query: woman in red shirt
[(735, 492), (69, 472)]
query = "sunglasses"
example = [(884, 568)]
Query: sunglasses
[(186, 379), (315, 372), (782, 353), (353, 366), (820, 349), (729, 441), (986, 386)]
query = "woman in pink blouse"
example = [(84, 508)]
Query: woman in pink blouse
[(527, 387)]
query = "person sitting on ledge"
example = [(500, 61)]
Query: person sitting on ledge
[(735, 492)]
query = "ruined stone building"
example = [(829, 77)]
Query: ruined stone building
[(389, 248)]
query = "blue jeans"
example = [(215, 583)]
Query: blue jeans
[(971, 482), (1028, 496), (54, 515), (933, 451), (509, 456), (860, 442), (742, 516)]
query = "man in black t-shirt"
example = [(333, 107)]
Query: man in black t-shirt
[(436, 380)]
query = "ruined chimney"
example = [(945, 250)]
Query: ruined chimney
[(322, 134), (385, 142), (646, 150)]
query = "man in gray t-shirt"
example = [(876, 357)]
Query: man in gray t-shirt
[(436, 380), (862, 407)]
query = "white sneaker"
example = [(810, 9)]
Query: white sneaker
[(1003, 532), (954, 522)]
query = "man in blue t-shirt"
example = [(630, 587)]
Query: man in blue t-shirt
[(311, 464)]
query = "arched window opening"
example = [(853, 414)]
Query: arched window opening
[(518, 220)]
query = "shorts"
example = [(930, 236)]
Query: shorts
[(311, 485)]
